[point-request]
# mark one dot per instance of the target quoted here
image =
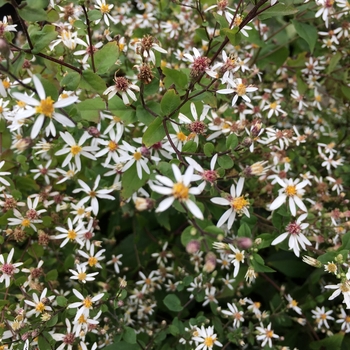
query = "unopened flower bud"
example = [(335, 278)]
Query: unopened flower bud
[(244, 242), (192, 247), (210, 262), (93, 131), (311, 261), (142, 204)]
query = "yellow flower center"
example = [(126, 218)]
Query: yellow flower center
[(239, 257), (81, 211), (70, 173), (92, 194), (92, 261), (1, 109), (269, 334), (115, 118), (25, 222), (318, 98), (46, 107), (81, 276), (257, 305), (40, 307), (137, 155), (104, 8), (345, 287), (71, 235), (294, 303), (21, 104), (181, 136), (347, 319), (331, 267), (291, 190), (209, 341), (323, 317), (75, 150), (273, 105), (87, 302), (6, 84), (241, 89), (180, 191), (82, 319), (239, 203), (112, 146)]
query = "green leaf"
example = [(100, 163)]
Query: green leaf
[(232, 141), (52, 322), (31, 14), (129, 335), (38, 4), (333, 62), (61, 301), (278, 10), (43, 38), (51, 275), (52, 16), (106, 57), (208, 149), (345, 241), (92, 82), (170, 101), (190, 147), (259, 264), (131, 182), (189, 234), (122, 345), (174, 76), (333, 342), (307, 32), (154, 133), (172, 302), (5, 216), (225, 161), (244, 230), (346, 91), (90, 109), (71, 81), (35, 250), (232, 35), (94, 15), (3, 303), (44, 341), (221, 20), (120, 110)]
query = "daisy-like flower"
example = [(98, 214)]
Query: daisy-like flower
[(274, 109), (344, 319), (2, 173), (93, 194), (87, 51), (293, 304), (296, 237), (235, 314), (5, 27), (179, 190), (45, 172), (206, 338), (92, 258), (39, 304), (325, 11), (84, 305), (24, 222), (124, 87), (239, 89), (135, 155), (116, 262), (145, 46), (206, 175), (238, 204), (67, 174), (45, 108), (67, 339), (199, 64), (237, 258), (81, 275), (291, 190), (72, 234), (222, 9), (197, 127), (321, 316), (342, 288), (266, 335), (75, 150), (7, 268), (105, 10)]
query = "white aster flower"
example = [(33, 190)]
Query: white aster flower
[(124, 87), (179, 190), (291, 190), (238, 203), (206, 338), (321, 316), (266, 335), (45, 108), (237, 258), (81, 275), (72, 234), (235, 314), (7, 268), (296, 237), (2, 173)]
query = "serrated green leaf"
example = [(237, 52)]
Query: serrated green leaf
[(154, 133), (129, 335), (172, 302), (90, 109), (71, 81), (92, 82), (170, 101), (106, 57), (307, 32)]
